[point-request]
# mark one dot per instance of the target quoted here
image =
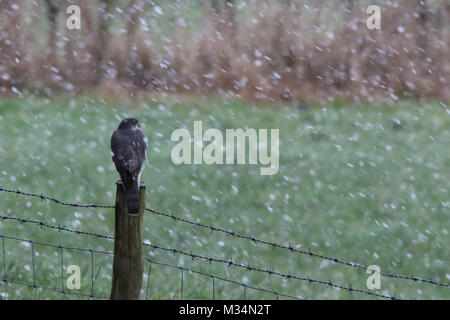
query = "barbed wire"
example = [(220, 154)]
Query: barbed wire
[(42, 197), (58, 228), (275, 245), (276, 293), (36, 286), (289, 276), (232, 233), (228, 262)]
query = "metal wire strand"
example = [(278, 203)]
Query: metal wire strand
[(35, 285), (236, 235), (222, 279), (61, 291), (228, 262)]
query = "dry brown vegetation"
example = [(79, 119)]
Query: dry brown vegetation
[(302, 50)]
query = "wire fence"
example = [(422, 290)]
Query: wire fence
[(5, 278), (229, 262), (193, 256), (63, 290)]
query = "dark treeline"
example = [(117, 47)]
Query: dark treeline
[(286, 49)]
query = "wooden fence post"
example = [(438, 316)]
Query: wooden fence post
[(128, 265)]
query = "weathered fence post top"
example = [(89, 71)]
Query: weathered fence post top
[(128, 263)]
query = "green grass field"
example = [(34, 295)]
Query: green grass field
[(368, 184)]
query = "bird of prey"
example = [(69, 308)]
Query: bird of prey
[(128, 146)]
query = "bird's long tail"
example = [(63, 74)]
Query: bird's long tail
[(132, 200)]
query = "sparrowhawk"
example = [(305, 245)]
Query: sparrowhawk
[(128, 146)]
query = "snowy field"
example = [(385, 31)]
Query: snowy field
[(367, 184)]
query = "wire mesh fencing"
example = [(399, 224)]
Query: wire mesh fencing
[(210, 280), (63, 291)]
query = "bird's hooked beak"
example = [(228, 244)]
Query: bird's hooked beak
[(138, 125)]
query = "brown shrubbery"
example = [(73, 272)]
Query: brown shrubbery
[(274, 50)]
